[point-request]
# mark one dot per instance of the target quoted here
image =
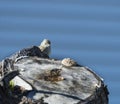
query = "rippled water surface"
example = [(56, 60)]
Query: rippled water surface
[(85, 30)]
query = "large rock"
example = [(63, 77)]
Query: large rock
[(30, 77), (58, 84)]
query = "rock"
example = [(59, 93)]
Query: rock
[(77, 84), (39, 51), (20, 82), (31, 51), (39, 80)]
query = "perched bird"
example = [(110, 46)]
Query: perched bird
[(54, 75), (68, 62), (45, 46)]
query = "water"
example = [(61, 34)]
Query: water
[(87, 31)]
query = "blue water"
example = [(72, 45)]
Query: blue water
[(86, 30)]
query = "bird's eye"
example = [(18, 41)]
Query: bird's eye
[(48, 42)]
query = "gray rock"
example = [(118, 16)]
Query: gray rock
[(31, 51), (40, 80), (57, 84)]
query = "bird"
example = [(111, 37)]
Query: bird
[(68, 62), (45, 46)]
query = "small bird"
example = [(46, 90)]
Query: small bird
[(54, 75), (45, 46), (68, 62)]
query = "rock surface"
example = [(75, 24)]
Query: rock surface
[(58, 84), (31, 77)]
